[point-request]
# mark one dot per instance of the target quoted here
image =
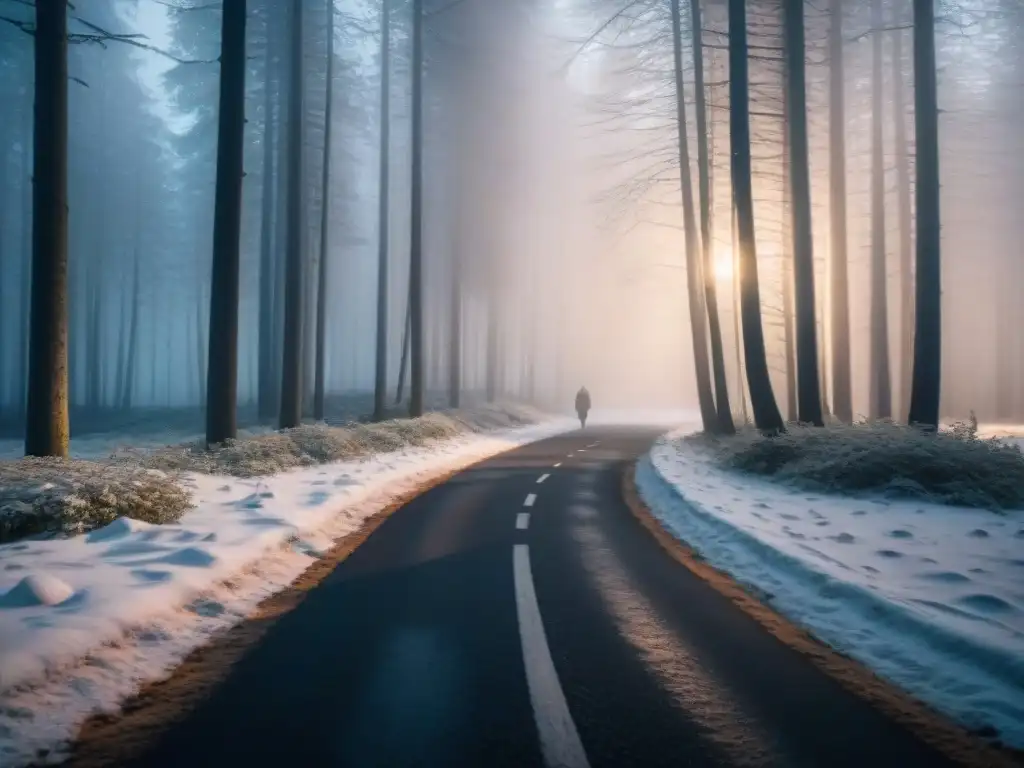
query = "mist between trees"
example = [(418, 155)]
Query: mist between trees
[(500, 213)]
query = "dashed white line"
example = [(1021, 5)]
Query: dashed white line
[(543, 477), (522, 521), (559, 740), (530, 498), (558, 464)]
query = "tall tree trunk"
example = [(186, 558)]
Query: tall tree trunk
[(455, 318), (222, 366), (491, 363), (906, 244), (128, 386), (46, 410), (403, 363), (268, 393), (291, 357), (925, 389), (880, 404), (416, 369), (737, 276), (200, 343), (808, 390), (721, 392), (786, 254), (325, 186), (762, 399), (384, 200), (695, 282), (842, 393)]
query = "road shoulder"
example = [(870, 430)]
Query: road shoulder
[(931, 727)]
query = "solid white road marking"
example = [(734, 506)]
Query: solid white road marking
[(522, 521), (543, 477), (530, 498), (559, 741)]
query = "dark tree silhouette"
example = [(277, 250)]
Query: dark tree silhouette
[(767, 417), (384, 206), (291, 358), (722, 403), (808, 392), (925, 389), (842, 393), (47, 430), (416, 369), (880, 396), (694, 273), (325, 217), (222, 366)]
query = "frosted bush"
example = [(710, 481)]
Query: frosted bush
[(312, 444), (70, 497), (953, 466)]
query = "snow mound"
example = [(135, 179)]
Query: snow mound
[(927, 595), (35, 590)]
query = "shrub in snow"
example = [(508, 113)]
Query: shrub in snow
[(953, 466), (69, 497), (312, 444)]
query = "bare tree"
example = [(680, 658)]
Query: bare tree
[(383, 219), (694, 277), (416, 369), (722, 404), (767, 417)]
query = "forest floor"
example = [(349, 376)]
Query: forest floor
[(927, 595), (85, 618)]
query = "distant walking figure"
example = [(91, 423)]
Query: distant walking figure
[(582, 405)]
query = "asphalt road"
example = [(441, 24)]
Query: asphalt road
[(519, 615)]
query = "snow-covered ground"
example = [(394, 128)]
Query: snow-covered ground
[(930, 597), (84, 621)]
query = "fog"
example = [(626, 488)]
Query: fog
[(552, 221)]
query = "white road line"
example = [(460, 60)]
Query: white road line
[(543, 477), (559, 741), (530, 498), (558, 463), (522, 521)]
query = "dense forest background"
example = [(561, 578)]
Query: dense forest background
[(553, 246)]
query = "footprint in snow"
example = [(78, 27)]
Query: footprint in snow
[(761, 505), (843, 538), (978, 533), (869, 569), (986, 603), (890, 553), (224, 488), (207, 608), (929, 560), (899, 533), (815, 514), (822, 523), (793, 534), (317, 498), (1019, 534), (787, 516), (858, 512), (319, 482)]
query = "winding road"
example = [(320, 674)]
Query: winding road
[(520, 615)]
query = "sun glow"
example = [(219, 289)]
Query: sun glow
[(723, 267)]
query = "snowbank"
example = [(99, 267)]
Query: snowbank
[(931, 597), (139, 597)]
